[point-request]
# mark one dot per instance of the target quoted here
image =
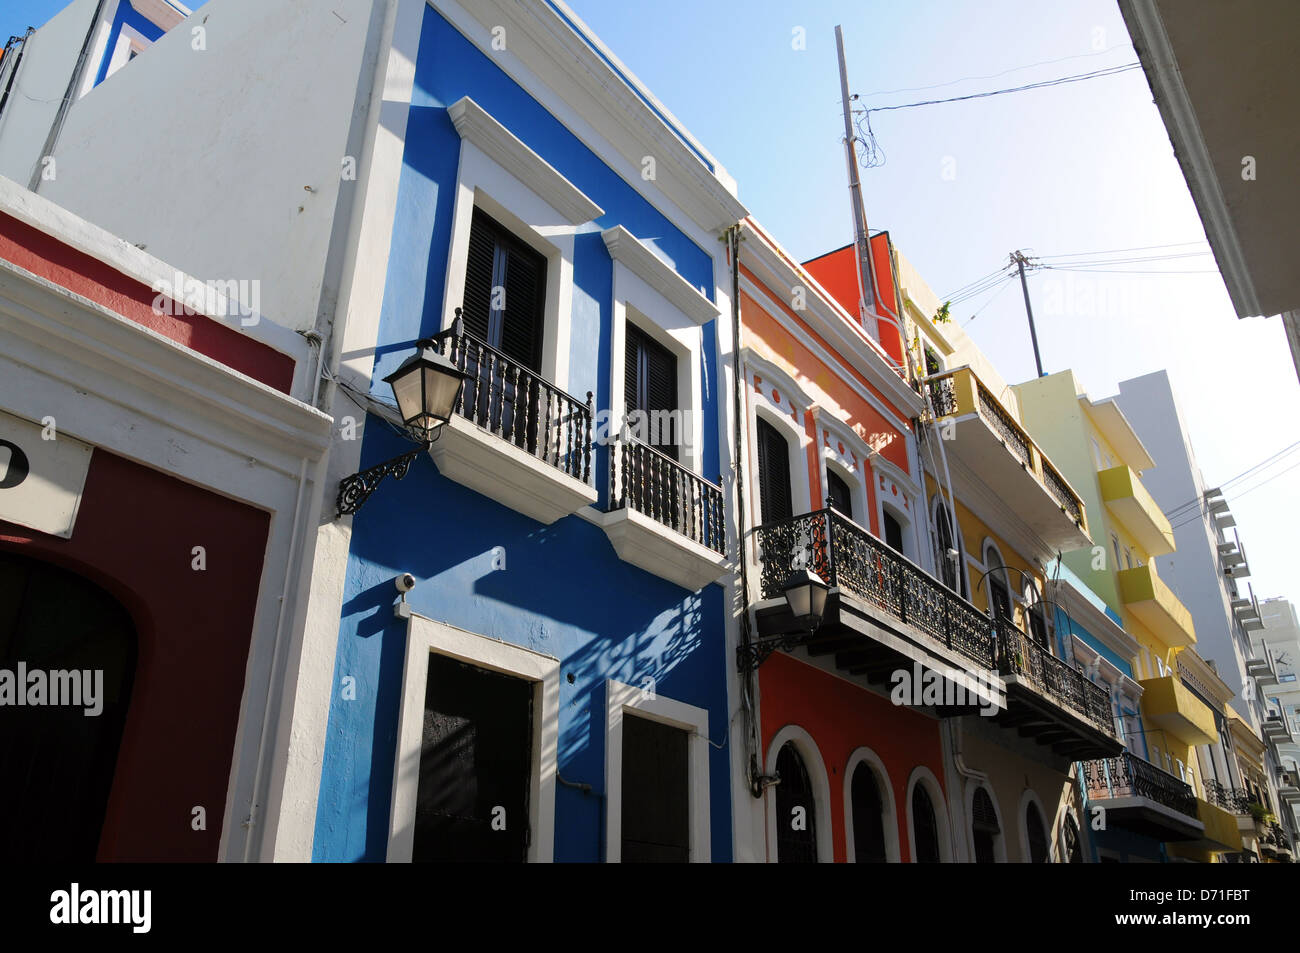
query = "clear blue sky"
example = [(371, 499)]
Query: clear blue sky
[(1076, 168)]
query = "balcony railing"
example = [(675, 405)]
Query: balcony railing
[(1130, 776), (1001, 421), (1021, 656), (518, 405), (656, 485), (1236, 800), (1061, 492), (943, 396)]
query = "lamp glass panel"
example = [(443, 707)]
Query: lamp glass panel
[(800, 599), (409, 395), (440, 389)]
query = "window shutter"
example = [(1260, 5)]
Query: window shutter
[(477, 306), (773, 474), (839, 493), (521, 324), (497, 259), (650, 383)]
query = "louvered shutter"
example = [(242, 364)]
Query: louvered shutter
[(497, 259), (839, 493), (477, 307), (650, 385), (773, 474), (521, 322)]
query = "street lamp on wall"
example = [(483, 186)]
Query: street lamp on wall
[(426, 387), (805, 594)]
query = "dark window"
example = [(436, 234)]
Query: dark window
[(925, 827), (773, 474), (1038, 853), (650, 386), (868, 817), (56, 762), (796, 817), (505, 292), (999, 593), (838, 492), (984, 827), (475, 765), (949, 566), (1038, 625), (931, 362), (656, 794), (893, 532), (1073, 847)]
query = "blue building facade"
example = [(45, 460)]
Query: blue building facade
[(557, 591)]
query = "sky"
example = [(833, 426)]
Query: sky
[(1076, 168)]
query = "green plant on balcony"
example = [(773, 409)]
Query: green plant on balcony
[(1260, 813), (943, 316)]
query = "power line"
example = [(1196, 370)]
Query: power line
[(1238, 496), (1059, 81), (1114, 251), (1014, 69), (1106, 271), (1198, 503), (1004, 287)]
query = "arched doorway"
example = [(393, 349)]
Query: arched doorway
[(57, 756), (796, 816), (868, 817), (925, 828)]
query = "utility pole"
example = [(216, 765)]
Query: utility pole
[(1018, 258), (866, 267)]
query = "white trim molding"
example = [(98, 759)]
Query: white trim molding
[(623, 699), (425, 637), (1027, 797), (1000, 842), (807, 749), (475, 124), (627, 249), (889, 810)]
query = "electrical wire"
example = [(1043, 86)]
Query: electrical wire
[(1197, 503), (1059, 81), (1115, 251), (1014, 69), (1238, 496), (1004, 287)]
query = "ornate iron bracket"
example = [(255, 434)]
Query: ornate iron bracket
[(750, 657), (356, 489)]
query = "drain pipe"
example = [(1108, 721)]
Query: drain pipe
[(73, 80), (952, 734)]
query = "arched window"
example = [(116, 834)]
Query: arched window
[(58, 762), (838, 492), (1073, 846), (985, 829), (925, 827), (948, 556), (868, 817), (773, 474), (796, 816), (996, 581), (1037, 835)]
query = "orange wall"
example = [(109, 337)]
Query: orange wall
[(837, 272)]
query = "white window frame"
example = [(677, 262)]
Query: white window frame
[(816, 768), (1000, 842), (925, 777), (1022, 816), (963, 554), (539, 212), (425, 637), (621, 699), (637, 302), (831, 435), (886, 475), (778, 413), (889, 821)]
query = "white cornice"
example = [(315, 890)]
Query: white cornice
[(604, 103), (1151, 40), (476, 125), (626, 248), (190, 390), (797, 396), (829, 321)]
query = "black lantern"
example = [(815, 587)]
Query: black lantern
[(426, 387), (805, 594)]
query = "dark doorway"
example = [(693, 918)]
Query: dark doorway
[(796, 816), (984, 827), (773, 473), (839, 494), (893, 532), (656, 792), (1038, 852), (56, 761), (925, 827), (868, 818), (476, 756)]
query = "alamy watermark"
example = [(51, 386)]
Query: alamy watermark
[(974, 688), (24, 687), (224, 298)]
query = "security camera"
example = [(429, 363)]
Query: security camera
[(404, 582)]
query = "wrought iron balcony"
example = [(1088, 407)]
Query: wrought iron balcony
[(1236, 800), (848, 557), (518, 405), (871, 582), (653, 483), (1129, 779), (1026, 659), (980, 430)]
